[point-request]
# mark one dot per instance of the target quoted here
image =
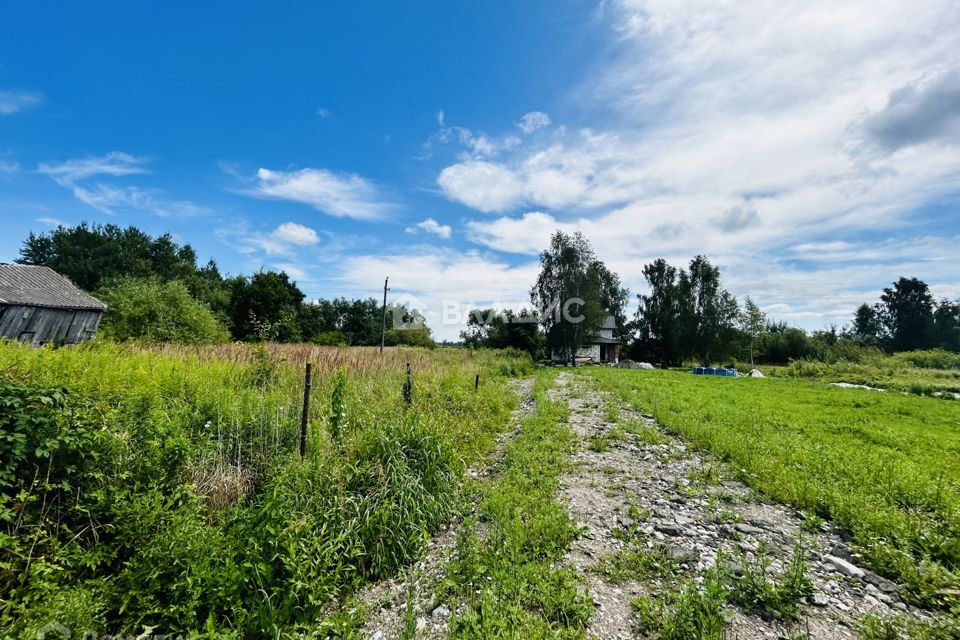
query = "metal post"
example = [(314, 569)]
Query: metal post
[(306, 410), (476, 383)]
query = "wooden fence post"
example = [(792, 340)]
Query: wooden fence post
[(306, 410), (476, 383), (408, 387)]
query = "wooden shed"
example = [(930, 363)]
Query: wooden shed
[(38, 305)]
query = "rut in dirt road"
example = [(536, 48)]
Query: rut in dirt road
[(388, 601), (638, 493)]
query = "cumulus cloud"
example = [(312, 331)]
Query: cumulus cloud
[(532, 121), (285, 240), (445, 285), (726, 130), (432, 227), (293, 233), (485, 186), (14, 101), (529, 233), (336, 194)]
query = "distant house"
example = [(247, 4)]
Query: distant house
[(600, 348), (38, 305)]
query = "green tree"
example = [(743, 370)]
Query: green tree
[(710, 331), (91, 256), (508, 329), (867, 327), (265, 306), (156, 311), (657, 320), (686, 314), (753, 322), (906, 311), (574, 293), (946, 320)]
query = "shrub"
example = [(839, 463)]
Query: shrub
[(155, 311), (928, 359)]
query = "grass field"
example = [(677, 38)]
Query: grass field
[(162, 489), (884, 466), (918, 372)]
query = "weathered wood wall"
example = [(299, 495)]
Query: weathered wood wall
[(39, 325)]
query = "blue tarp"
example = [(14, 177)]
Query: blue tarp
[(711, 371)]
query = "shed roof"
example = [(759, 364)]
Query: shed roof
[(609, 323), (35, 286)]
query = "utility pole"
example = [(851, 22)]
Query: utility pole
[(383, 320)]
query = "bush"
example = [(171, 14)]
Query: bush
[(415, 337), (155, 311), (332, 339), (928, 359)]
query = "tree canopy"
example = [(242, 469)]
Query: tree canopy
[(574, 293), (687, 314), (115, 262)]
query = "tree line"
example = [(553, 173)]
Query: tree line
[(688, 316), (156, 291)]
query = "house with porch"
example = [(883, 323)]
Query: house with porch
[(600, 348)]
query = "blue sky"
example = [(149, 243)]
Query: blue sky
[(813, 154)]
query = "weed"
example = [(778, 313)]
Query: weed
[(691, 613), (160, 487), (638, 563), (902, 627), (599, 443), (770, 596), (511, 578), (338, 414)]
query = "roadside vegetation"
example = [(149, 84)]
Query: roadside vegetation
[(507, 569), (162, 490), (927, 372), (883, 466)]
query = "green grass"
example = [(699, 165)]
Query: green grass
[(885, 466), (771, 596), (162, 489), (903, 627), (507, 567), (686, 613), (916, 372), (638, 563)]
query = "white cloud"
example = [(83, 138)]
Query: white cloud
[(115, 163), (431, 226), (485, 186), (295, 271), (9, 166), (528, 234), (742, 131), (442, 280), (13, 101), (323, 112), (297, 234), (53, 222), (76, 174), (337, 194), (532, 121)]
